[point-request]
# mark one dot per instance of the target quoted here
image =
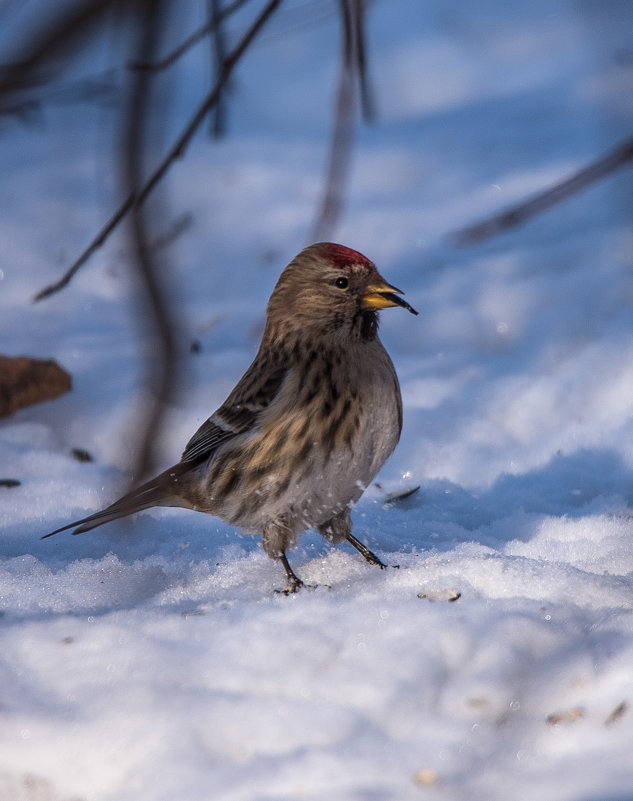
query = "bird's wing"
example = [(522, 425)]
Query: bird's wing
[(238, 414)]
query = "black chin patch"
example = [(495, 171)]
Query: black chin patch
[(367, 320)]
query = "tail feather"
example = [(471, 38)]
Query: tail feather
[(159, 491)]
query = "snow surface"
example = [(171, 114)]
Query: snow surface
[(151, 659)]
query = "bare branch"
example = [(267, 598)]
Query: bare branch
[(160, 320), (190, 41), (342, 132), (175, 152), (347, 9), (515, 215), (367, 104), (96, 243)]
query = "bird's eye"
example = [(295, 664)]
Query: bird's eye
[(341, 282)]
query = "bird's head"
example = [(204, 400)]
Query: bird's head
[(328, 288)]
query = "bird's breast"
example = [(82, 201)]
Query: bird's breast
[(317, 447)]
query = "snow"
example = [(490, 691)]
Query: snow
[(152, 659)]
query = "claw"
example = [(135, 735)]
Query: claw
[(291, 589)]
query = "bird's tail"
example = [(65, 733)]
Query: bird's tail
[(163, 490)]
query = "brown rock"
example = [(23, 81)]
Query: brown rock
[(24, 381)]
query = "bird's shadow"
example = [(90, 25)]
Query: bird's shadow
[(587, 481)]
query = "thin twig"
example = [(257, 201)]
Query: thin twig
[(175, 152), (96, 243), (515, 215), (190, 41)]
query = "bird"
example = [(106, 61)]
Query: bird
[(309, 424)]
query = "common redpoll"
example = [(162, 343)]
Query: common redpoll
[(308, 425)]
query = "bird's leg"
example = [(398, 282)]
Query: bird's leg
[(369, 555), (276, 537), (339, 528), (294, 582)]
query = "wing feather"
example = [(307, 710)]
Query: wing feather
[(239, 412)]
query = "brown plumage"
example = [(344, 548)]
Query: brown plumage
[(308, 425)]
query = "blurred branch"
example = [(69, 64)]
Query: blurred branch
[(100, 88), (302, 15), (190, 41), (48, 42), (352, 74), (360, 54), (163, 363), (167, 238), (515, 215), (177, 150), (218, 55)]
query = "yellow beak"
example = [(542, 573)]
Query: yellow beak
[(382, 296)]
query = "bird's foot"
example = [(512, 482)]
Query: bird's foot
[(294, 582), (295, 586)]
